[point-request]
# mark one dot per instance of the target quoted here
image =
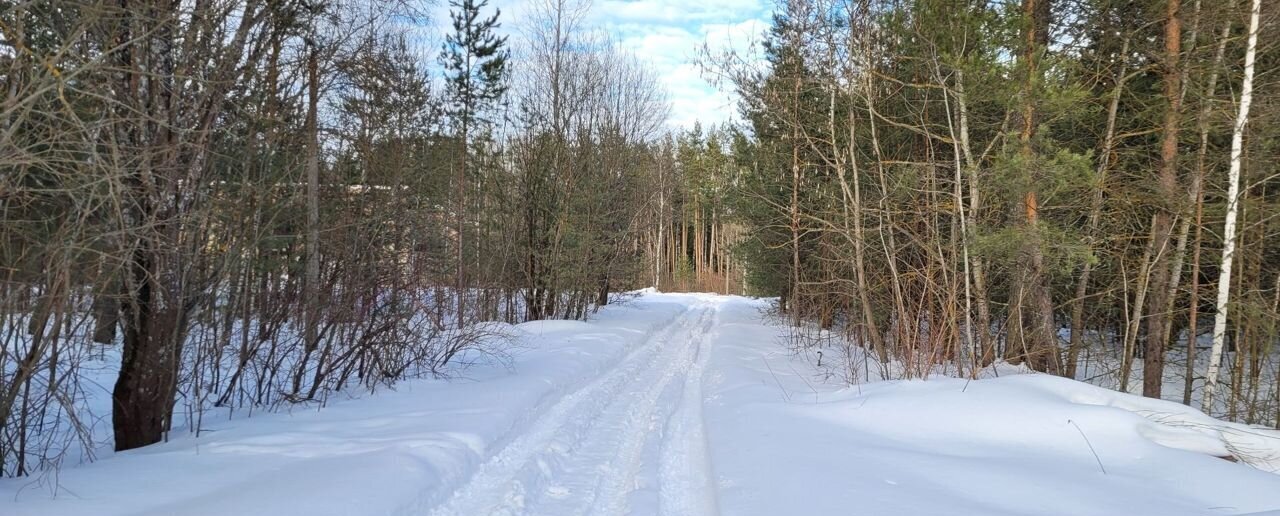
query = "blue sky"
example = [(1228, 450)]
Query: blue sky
[(668, 34)]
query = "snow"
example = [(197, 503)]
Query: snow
[(686, 405)]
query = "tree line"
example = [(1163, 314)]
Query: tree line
[(1080, 187), (248, 203)]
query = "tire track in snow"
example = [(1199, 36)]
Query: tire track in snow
[(686, 485), (498, 486), (638, 427)]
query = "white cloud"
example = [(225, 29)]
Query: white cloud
[(669, 36), (677, 12)]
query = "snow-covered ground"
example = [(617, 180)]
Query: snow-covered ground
[(686, 405)]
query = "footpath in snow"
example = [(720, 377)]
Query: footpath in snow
[(686, 405)]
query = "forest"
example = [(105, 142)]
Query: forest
[(258, 204), (1060, 185)]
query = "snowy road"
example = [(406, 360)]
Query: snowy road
[(684, 405), (587, 454)]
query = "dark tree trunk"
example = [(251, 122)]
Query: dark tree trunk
[(142, 401), (1032, 335), (106, 316), (1162, 222), (602, 295)]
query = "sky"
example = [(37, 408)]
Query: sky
[(668, 35)]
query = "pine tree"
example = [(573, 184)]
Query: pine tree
[(475, 62)]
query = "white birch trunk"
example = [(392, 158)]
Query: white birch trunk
[(1233, 207)]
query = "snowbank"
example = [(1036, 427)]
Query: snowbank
[(786, 443), (396, 452)]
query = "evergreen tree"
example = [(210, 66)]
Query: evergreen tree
[(475, 62)]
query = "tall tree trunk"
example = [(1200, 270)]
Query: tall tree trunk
[(311, 282), (460, 282), (985, 342), (106, 309), (795, 205), (1233, 208), (684, 246), (658, 245), (1193, 315), (1202, 152), (1162, 221), (140, 401), (155, 327), (960, 229), (313, 198), (1031, 305), (1134, 323)]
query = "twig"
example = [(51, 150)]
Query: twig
[(1091, 450), (785, 394)]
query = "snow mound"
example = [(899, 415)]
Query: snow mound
[(1020, 444), (1183, 428), (556, 326)]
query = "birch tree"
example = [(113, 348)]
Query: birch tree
[(1233, 208)]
